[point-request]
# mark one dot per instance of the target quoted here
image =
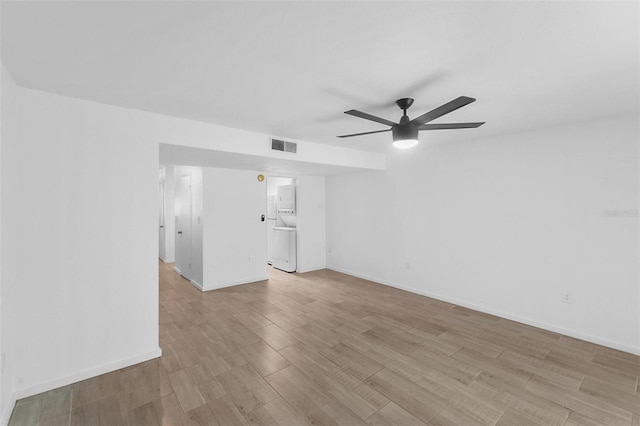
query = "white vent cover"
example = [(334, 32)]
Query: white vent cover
[(279, 145)]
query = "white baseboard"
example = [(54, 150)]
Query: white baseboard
[(7, 410), (167, 260), (233, 283), (314, 268), (528, 321), (229, 284), (196, 285), (372, 279), (177, 270), (86, 374)]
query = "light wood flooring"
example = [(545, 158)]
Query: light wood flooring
[(325, 348)]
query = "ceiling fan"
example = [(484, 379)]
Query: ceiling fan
[(405, 133)]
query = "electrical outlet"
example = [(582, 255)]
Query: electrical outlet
[(329, 250), (566, 297), (407, 266), (249, 258)]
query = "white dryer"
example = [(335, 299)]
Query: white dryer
[(284, 248)]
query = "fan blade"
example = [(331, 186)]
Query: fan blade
[(365, 133), (366, 116), (442, 110), (450, 126)]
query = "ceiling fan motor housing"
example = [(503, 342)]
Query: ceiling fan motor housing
[(404, 132)]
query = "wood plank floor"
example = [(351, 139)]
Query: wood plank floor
[(325, 348)]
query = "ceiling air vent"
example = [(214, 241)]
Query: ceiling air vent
[(279, 145)]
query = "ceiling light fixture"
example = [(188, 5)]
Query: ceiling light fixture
[(405, 143), (405, 135)]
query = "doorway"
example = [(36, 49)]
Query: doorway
[(281, 223)]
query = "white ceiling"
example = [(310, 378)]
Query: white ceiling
[(291, 68)]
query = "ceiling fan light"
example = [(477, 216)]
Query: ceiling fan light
[(405, 143), (405, 136)]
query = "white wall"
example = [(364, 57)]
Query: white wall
[(505, 226), (83, 219), (228, 239), (196, 134), (8, 272), (235, 244), (310, 194), (2, 355)]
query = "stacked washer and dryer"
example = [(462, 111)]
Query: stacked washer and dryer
[(283, 234)]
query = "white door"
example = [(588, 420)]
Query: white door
[(161, 230), (183, 202)]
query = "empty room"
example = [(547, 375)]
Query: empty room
[(328, 213)]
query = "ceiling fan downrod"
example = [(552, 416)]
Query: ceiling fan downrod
[(404, 104)]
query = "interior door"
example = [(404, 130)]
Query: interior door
[(161, 235), (183, 202)]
